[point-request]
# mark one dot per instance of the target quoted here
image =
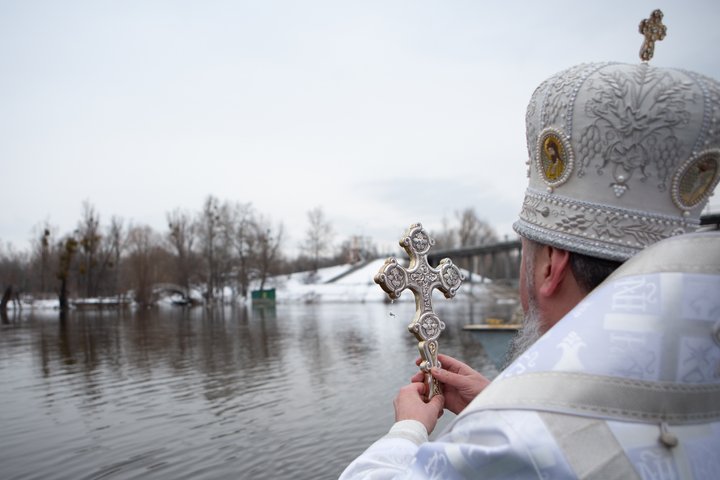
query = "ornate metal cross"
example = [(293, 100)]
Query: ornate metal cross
[(653, 30), (421, 279)]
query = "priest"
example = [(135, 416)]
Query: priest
[(616, 372)]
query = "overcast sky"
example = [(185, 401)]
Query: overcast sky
[(382, 112)]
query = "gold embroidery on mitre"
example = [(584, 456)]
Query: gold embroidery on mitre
[(695, 180), (554, 157)]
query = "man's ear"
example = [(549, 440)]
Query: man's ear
[(554, 267)]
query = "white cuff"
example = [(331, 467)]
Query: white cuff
[(411, 430)]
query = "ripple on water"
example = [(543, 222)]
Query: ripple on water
[(295, 394)]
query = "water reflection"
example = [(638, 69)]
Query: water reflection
[(295, 391)]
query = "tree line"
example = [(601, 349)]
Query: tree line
[(221, 250)]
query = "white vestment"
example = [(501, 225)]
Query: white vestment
[(626, 385)]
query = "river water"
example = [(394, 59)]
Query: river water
[(295, 391)]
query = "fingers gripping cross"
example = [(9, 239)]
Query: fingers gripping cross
[(421, 279)]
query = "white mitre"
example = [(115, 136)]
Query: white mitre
[(620, 156)]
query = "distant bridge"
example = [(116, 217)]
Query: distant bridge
[(501, 260), (497, 261), (171, 288)]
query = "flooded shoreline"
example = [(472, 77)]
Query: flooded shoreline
[(291, 392)]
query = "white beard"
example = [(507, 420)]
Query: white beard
[(527, 335), (530, 331)]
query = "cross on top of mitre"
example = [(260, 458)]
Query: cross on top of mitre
[(421, 279), (653, 30)]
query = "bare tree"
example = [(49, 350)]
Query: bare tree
[(115, 243), (13, 275), (181, 237), (66, 252), (89, 238), (42, 253), (243, 230), (141, 243), (224, 251), (45, 241), (470, 231), (473, 231), (209, 228), (268, 248), (318, 236), (105, 279)]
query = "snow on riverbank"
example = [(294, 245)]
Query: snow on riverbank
[(348, 283), (342, 283)]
